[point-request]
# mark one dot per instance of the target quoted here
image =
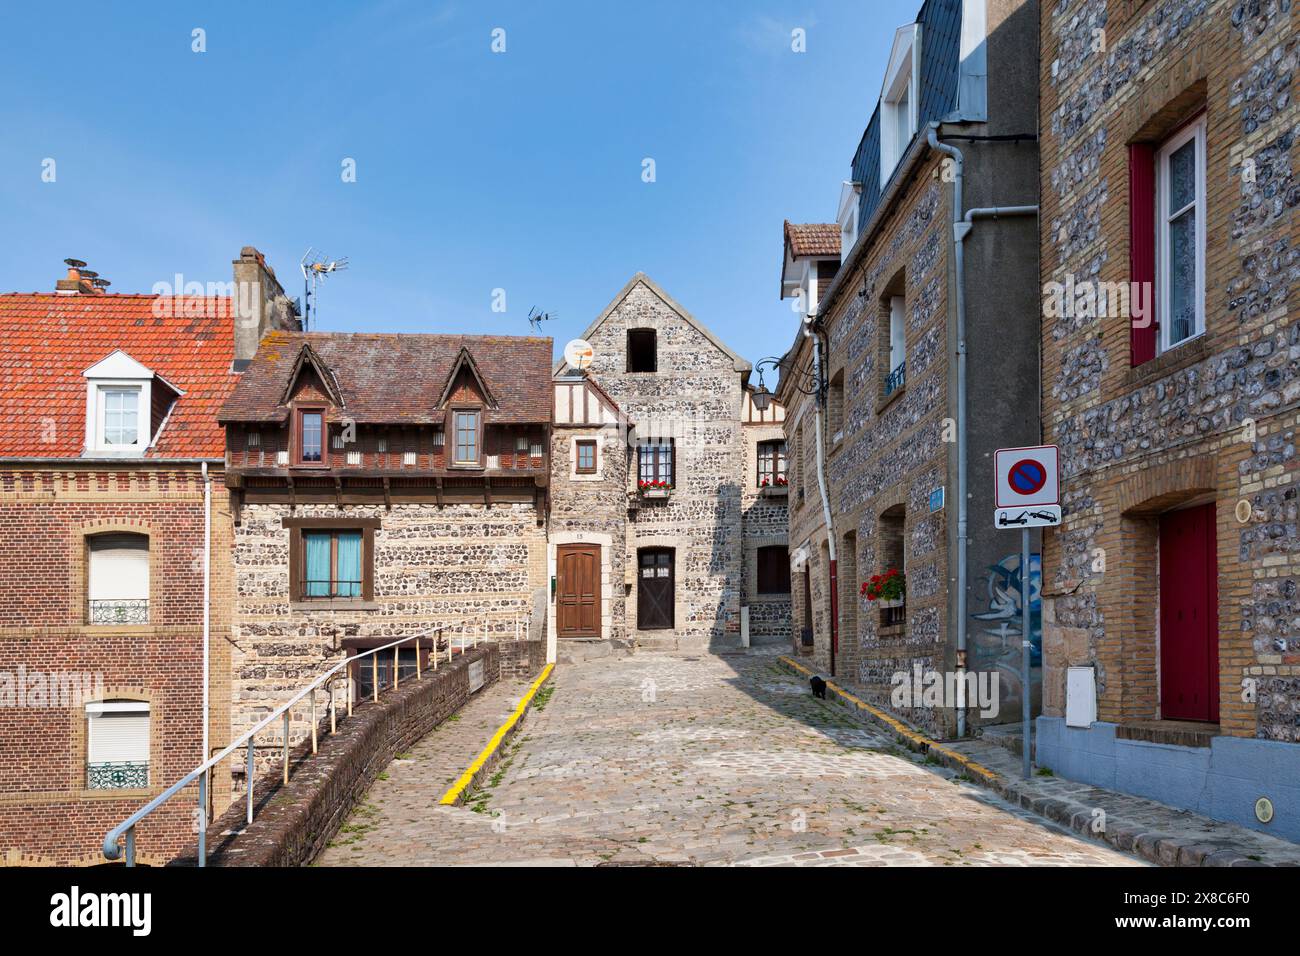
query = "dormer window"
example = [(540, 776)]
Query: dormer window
[(309, 437), (120, 408), (126, 405), (467, 427), (899, 106), (313, 424), (850, 196)]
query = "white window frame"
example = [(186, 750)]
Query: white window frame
[(902, 77), (1193, 131), (897, 332), (118, 372), (850, 193), (105, 391), (599, 473)]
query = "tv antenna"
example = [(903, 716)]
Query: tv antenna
[(316, 268), (536, 317)]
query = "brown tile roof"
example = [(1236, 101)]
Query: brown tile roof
[(812, 238), (398, 378), (47, 341)]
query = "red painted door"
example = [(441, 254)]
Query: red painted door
[(1189, 615)]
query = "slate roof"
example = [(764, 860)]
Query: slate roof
[(48, 340), (812, 238), (398, 378)]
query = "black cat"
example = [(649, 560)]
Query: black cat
[(818, 687)]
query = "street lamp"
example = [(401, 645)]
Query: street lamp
[(804, 382)]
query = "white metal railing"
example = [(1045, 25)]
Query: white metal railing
[(201, 773)]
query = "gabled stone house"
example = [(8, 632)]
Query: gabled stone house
[(383, 486), (675, 523)]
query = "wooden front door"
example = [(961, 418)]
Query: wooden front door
[(577, 590), (655, 592), (1189, 615)]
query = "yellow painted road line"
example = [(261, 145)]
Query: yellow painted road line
[(451, 796), (902, 729)]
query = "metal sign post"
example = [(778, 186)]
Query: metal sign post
[(1028, 490), (1024, 651)]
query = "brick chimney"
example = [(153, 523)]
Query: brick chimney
[(260, 305), (80, 280)]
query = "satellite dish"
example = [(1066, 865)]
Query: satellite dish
[(578, 354)]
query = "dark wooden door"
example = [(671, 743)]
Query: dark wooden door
[(1189, 615), (807, 636), (655, 589), (577, 590)]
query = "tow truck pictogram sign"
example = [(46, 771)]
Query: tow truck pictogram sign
[(1027, 487)]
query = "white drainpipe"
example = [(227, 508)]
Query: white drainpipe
[(207, 591), (962, 224)]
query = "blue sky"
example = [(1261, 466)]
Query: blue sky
[(474, 170)]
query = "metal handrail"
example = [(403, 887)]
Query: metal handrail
[(200, 773)]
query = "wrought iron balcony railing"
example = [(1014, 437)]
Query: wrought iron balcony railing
[(893, 614), (119, 612), (897, 379), (316, 589), (123, 775)]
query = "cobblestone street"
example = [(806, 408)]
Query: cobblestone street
[(699, 759)]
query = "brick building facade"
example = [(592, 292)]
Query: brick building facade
[(1169, 383), (110, 457), (886, 327)]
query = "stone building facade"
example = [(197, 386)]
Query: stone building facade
[(886, 332), (679, 458), (765, 521), (111, 465), (587, 549), (1170, 385), (383, 486)]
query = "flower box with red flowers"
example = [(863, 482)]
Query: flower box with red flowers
[(888, 587), (890, 590), (654, 489)]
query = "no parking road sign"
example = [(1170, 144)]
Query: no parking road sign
[(1028, 487)]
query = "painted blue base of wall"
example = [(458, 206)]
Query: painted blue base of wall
[(1221, 781)]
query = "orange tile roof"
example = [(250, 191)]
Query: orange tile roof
[(812, 238), (47, 341)]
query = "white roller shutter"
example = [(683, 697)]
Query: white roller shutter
[(119, 567), (117, 732)]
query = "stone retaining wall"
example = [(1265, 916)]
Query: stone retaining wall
[(520, 659), (294, 822)]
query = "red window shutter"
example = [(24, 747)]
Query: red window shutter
[(1142, 245)]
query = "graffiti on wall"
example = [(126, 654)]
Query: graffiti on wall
[(995, 644)]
